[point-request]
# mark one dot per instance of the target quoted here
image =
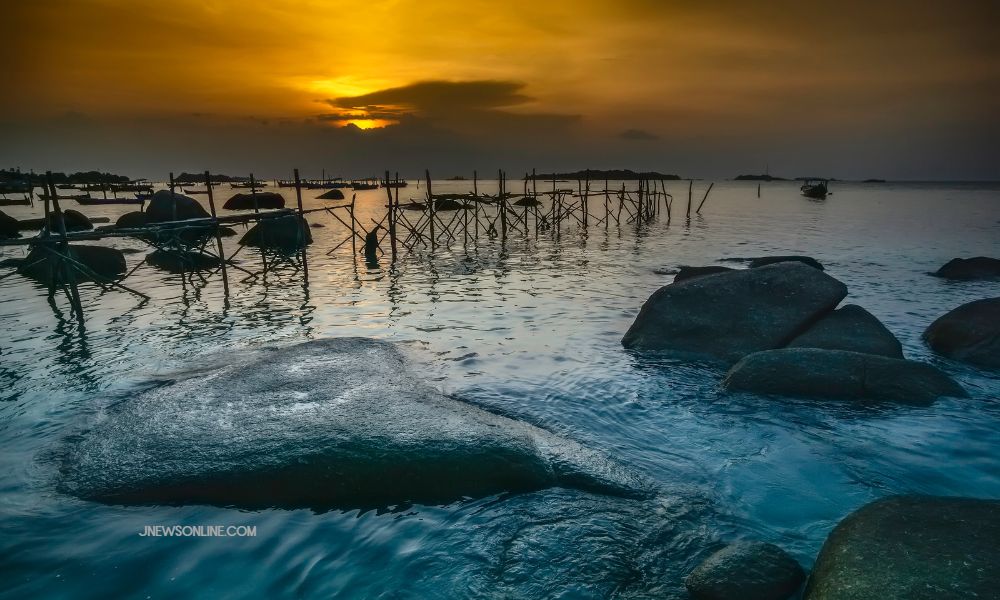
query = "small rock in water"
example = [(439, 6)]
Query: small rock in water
[(251, 201), (105, 263), (852, 328), (770, 260), (74, 220), (132, 219), (979, 267), (686, 272), (181, 261), (729, 315), (282, 233), (913, 548), (161, 208), (746, 571), (838, 374), (970, 333), (8, 226)]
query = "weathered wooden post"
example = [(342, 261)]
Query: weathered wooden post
[(218, 238), (705, 197), (253, 193), (690, 185), (392, 214), (300, 225), (475, 203), (173, 199), (430, 206), (503, 205)]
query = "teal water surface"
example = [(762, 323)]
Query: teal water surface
[(530, 328)]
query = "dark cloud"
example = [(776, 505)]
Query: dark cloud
[(438, 97), (638, 135)]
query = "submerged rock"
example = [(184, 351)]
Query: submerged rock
[(979, 267), (73, 219), (182, 261), (746, 571), (770, 260), (913, 547), (810, 372), (686, 272), (729, 315), (132, 219), (333, 194), (852, 328), (106, 263), (970, 333), (161, 208), (285, 233), (263, 200), (322, 424), (8, 226)]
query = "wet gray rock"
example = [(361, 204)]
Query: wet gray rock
[(283, 233), (336, 423), (746, 571), (810, 372), (686, 272), (852, 328), (729, 315), (161, 207), (913, 547), (770, 260), (263, 200), (970, 333), (979, 267), (104, 263)]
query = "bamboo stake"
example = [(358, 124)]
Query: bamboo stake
[(705, 197), (218, 238)]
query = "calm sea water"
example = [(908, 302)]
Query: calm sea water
[(532, 329)]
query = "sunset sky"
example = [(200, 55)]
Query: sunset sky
[(705, 89)]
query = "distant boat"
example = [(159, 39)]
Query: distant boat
[(394, 184), (15, 202), (89, 201), (360, 185), (247, 185), (816, 191), (194, 192), (66, 197)]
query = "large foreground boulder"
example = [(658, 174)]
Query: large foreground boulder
[(912, 547), (970, 333), (105, 264), (746, 571), (132, 219), (282, 233), (810, 372), (252, 201), (729, 315), (162, 205), (852, 328), (333, 194), (979, 267), (322, 424)]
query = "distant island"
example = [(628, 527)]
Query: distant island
[(456, 178), (16, 176), (873, 181), (615, 174), (200, 178), (816, 179), (758, 178)]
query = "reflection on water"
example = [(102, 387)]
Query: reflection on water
[(529, 327)]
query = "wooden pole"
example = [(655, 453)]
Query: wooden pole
[(253, 193), (705, 197), (690, 185), (430, 206), (475, 205), (503, 206), (173, 200), (218, 238), (301, 223), (392, 216)]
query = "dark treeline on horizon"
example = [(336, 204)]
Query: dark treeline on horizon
[(17, 176), (616, 174)]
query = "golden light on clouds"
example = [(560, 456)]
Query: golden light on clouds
[(659, 70)]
